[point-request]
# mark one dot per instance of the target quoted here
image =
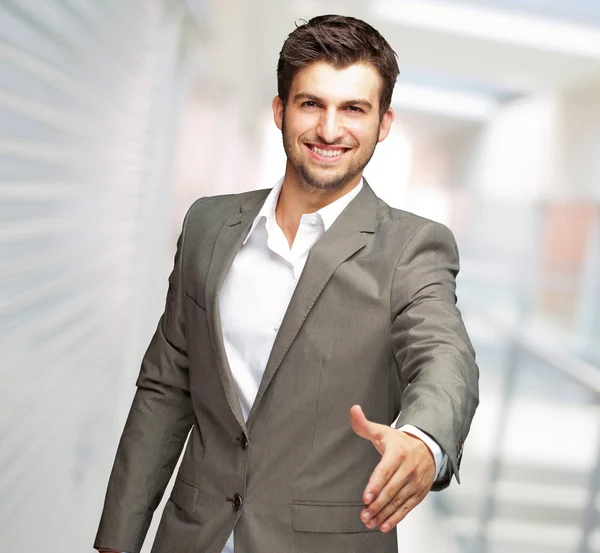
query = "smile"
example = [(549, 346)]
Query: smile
[(327, 155)]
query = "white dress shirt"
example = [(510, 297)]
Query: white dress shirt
[(256, 293)]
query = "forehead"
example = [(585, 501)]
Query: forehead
[(357, 81)]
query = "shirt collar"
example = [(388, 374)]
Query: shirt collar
[(267, 211), (332, 211), (327, 214)]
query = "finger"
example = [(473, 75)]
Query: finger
[(363, 427), (396, 502), (388, 495), (383, 473), (389, 492), (400, 513)]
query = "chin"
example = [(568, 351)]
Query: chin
[(325, 185)]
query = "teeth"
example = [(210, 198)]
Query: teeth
[(327, 153)]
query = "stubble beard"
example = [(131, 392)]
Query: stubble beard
[(312, 182)]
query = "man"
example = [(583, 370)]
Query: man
[(299, 323)]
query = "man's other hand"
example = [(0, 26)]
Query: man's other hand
[(402, 478)]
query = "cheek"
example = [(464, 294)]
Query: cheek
[(364, 134), (306, 125), (295, 133), (298, 124)]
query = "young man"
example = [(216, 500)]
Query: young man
[(299, 322)]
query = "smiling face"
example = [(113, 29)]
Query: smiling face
[(331, 125)]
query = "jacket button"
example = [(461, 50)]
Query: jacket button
[(243, 442), (237, 502)]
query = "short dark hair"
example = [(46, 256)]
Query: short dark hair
[(340, 41)]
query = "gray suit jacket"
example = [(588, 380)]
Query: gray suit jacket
[(372, 321)]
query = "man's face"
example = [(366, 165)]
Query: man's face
[(331, 124)]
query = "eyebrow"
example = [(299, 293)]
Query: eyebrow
[(305, 96)]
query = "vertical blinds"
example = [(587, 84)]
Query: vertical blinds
[(87, 94)]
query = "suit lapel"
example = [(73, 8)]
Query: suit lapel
[(230, 239), (344, 238)]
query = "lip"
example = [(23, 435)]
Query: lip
[(326, 159)]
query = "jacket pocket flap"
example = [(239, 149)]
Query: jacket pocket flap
[(184, 495), (326, 516)]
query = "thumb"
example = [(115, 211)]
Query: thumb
[(362, 426)]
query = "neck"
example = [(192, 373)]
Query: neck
[(297, 199)]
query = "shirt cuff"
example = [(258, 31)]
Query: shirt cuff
[(436, 450)]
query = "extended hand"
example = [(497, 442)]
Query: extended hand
[(402, 478)]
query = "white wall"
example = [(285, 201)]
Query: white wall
[(87, 102)]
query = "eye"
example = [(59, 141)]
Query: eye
[(354, 109), (309, 104)]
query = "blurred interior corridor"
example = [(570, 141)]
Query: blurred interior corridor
[(115, 116)]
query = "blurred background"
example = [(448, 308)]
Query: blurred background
[(115, 115)]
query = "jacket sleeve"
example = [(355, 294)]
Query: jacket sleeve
[(157, 426), (435, 359)]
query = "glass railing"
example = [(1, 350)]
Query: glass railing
[(531, 468)]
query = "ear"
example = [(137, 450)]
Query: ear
[(386, 124), (277, 106)]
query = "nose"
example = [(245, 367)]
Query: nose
[(330, 128)]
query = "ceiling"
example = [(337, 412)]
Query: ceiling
[(458, 59), (577, 11), (485, 50)]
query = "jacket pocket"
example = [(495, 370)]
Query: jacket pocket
[(338, 517), (184, 494)]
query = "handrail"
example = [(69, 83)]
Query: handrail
[(579, 370), (584, 373)]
